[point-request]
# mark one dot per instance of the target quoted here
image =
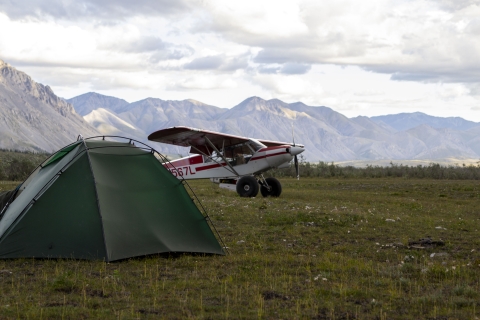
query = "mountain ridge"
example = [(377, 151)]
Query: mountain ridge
[(404, 121), (328, 135), (32, 117)]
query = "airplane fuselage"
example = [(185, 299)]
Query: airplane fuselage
[(201, 167)]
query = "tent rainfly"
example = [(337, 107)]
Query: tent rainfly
[(105, 200)]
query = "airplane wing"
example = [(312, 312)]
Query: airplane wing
[(192, 137), (270, 143)]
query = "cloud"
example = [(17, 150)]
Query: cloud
[(202, 83), (158, 49), (287, 68), (474, 89), (205, 63), (455, 5), (432, 75), (368, 93), (290, 88), (295, 68), (116, 81), (98, 9), (218, 63), (236, 62), (143, 44), (172, 53), (95, 79), (51, 62), (424, 41), (268, 69), (421, 41), (451, 92)]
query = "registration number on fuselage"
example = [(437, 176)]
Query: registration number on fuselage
[(182, 171)]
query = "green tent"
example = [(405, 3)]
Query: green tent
[(108, 200)]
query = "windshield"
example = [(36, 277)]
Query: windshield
[(256, 145), (237, 154)]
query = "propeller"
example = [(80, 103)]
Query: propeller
[(295, 159)]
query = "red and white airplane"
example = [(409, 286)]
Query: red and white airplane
[(234, 162)]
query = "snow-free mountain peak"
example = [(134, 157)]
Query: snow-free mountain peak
[(258, 107), (32, 117), (86, 103), (258, 104)]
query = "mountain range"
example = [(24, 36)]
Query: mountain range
[(32, 117), (327, 134)]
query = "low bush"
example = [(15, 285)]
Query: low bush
[(332, 170), (17, 166)]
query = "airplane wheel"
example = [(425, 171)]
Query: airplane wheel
[(247, 187), (275, 188)]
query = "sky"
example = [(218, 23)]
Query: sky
[(365, 58)]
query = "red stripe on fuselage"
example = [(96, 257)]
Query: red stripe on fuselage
[(271, 149), (184, 162), (216, 165)]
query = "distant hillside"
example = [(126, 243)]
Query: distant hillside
[(406, 121), (327, 134), (86, 103), (32, 117)]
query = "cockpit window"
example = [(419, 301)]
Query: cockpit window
[(256, 145), (237, 154)]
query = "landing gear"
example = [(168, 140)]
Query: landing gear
[(271, 187), (247, 187)]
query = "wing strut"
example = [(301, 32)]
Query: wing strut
[(221, 155), (214, 160)]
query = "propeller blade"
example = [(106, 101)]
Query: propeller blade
[(297, 169), (293, 136)]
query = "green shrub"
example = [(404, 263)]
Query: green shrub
[(332, 170), (17, 166)]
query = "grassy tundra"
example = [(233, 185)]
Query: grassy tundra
[(326, 249)]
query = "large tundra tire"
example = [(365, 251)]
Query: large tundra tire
[(274, 190), (247, 187)]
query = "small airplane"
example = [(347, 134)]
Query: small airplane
[(234, 162)]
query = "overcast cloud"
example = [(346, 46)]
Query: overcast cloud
[(94, 9), (422, 53)]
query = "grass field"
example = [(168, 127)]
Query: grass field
[(326, 249)]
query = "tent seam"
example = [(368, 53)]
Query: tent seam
[(97, 199)]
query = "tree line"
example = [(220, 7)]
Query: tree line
[(17, 166), (430, 171)]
